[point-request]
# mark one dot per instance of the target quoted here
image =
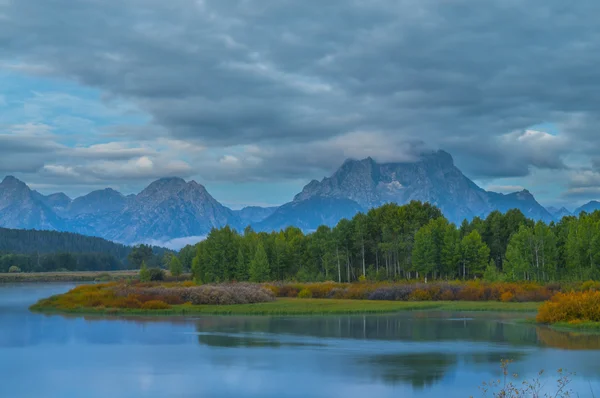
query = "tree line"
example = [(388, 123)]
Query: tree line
[(414, 241), (43, 251)]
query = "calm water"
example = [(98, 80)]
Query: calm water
[(408, 355)]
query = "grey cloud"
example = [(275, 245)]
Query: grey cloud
[(458, 75)]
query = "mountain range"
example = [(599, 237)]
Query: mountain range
[(171, 208)]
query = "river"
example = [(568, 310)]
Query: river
[(420, 354)]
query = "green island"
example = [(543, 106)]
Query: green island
[(561, 308), (295, 306)]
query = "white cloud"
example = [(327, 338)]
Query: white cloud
[(504, 188)]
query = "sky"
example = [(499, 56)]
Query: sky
[(254, 98)]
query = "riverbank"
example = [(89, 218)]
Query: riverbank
[(295, 306), (81, 276)]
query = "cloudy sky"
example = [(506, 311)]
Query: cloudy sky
[(253, 98)]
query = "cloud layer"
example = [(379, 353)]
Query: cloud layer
[(278, 89)]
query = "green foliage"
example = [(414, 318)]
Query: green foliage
[(491, 273), (14, 269), (139, 254), (305, 293), (175, 267), (474, 254), (406, 242), (259, 266), (156, 274), (144, 273)]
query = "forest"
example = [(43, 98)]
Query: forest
[(407, 242), (41, 251)]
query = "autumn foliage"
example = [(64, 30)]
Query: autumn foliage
[(155, 296), (572, 307), (415, 291)]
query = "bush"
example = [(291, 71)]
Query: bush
[(14, 269), (507, 297), (420, 295), (156, 274), (305, 293), (155, 305), (569, 307), (590, 285), (104, 277)]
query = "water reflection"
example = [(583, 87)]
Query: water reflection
[(420, 354)]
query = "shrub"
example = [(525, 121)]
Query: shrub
[(104, 277), (420, 295), (568, 307), (156, 274), (392, 292), (305, 293), (155, 305), (507, 297), (239, 293), (14, 269), (590, 285), (447, 295)]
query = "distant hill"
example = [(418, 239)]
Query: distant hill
[(559, 214), (33, 250), (254, 214), (32, 241), (589, 207)]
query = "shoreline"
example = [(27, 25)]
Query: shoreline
[(296, 306), (70, 276)]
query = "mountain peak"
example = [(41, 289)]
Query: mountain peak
[(440, 157), (12, 181)]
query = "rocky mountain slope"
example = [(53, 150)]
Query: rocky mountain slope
[(20, 207), (434, 178), (172, 208)]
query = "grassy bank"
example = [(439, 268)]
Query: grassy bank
[(294, 306), (83, 276), (575, 326)]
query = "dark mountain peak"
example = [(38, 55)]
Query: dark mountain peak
[(354, 164), (57, 201), (524, 195), (59, 196), (102, 201), (439, 158), (99, 194), (164, 185), (169, 181), (13, 182), (193, 185)]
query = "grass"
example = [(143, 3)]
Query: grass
[(69, 276), (293, 306), (584, 326)]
